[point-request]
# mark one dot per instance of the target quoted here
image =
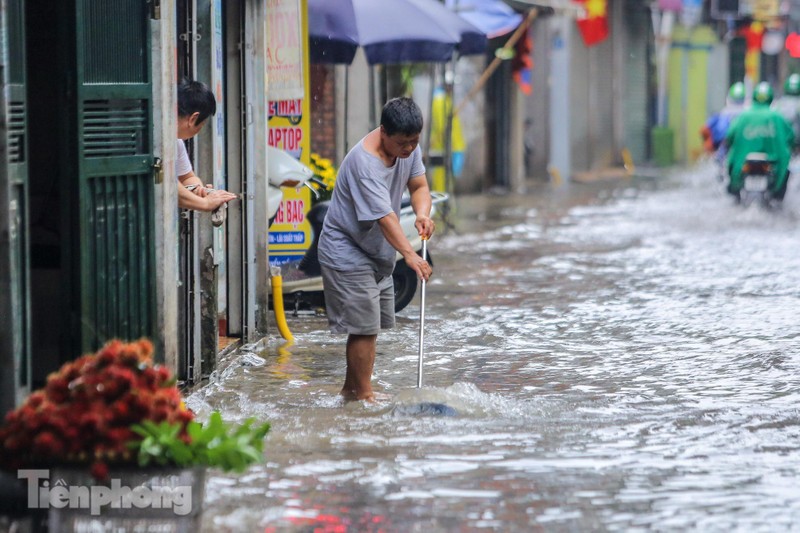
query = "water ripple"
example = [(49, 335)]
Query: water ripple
[(625, 358)]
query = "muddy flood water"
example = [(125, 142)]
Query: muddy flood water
[(621, 356)]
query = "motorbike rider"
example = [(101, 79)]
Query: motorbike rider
[(760, 129), (714, 130), (788, 105)]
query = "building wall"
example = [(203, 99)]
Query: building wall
[(536, 134), (688, 87), (472, 113), (323, 110), (592, 102), (609, 94)]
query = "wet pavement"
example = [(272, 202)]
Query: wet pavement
[(621, 356)]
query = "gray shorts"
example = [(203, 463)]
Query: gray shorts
[(358, 303)]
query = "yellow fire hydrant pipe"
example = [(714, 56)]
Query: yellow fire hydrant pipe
[(277, 303)]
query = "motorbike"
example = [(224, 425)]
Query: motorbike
[(302, 279), (758, 179), (284, 171)]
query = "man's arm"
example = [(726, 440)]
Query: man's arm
[(421, 203), (390, 226), (200, 200), (190, 179), (393, 231)]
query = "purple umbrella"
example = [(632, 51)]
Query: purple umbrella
[(394, 31), (493, 17)]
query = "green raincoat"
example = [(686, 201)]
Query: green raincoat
[(759, 129)]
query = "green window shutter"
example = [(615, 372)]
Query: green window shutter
[(637, 86), (115, 158), (17, 173)]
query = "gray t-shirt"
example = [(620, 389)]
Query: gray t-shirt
[(366, 190)]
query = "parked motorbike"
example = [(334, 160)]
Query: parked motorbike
[(302, 280), (284, 171), (758, 179)]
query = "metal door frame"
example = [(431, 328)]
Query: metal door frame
[(236, 105), (256, 117), (15, 352), (189, 298)]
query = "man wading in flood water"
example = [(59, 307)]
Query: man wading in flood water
[(362, 231)]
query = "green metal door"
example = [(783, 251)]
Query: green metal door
[(116, 258), (16, 299)]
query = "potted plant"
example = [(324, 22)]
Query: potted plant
[(109, 436)]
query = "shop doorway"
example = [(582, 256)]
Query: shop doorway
[(210, 299)]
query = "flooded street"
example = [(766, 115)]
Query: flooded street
[(622, 356)]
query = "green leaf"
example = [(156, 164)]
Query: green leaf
[(213, 444)]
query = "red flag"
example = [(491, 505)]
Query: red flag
[(753, 36), (594, 27), (793, 44), (522, 64)]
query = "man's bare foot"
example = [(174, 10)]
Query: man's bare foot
[(349, 396), (370, 397)]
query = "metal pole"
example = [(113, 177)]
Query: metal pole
[(346, 101), (422, 315), (372, 95)]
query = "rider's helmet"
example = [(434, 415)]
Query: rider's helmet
[(792, 85), (736, 93), (763, 93)]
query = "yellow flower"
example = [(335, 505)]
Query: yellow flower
[(324, 170)]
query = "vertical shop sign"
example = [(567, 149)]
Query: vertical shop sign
[(289, 122), (765, 9), (285, 49)]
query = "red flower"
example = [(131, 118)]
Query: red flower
[(129, 359), (119, 436), (24, 413), (86, 409), (105, 357), (164, 375), (146, 349), (90, 422), (57, 388), (148, 378), (120, 411), (36, 399), (160, 414), (185, 416), (125, 376), (46, 444)]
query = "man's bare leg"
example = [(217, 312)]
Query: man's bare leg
[(360, 362)]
